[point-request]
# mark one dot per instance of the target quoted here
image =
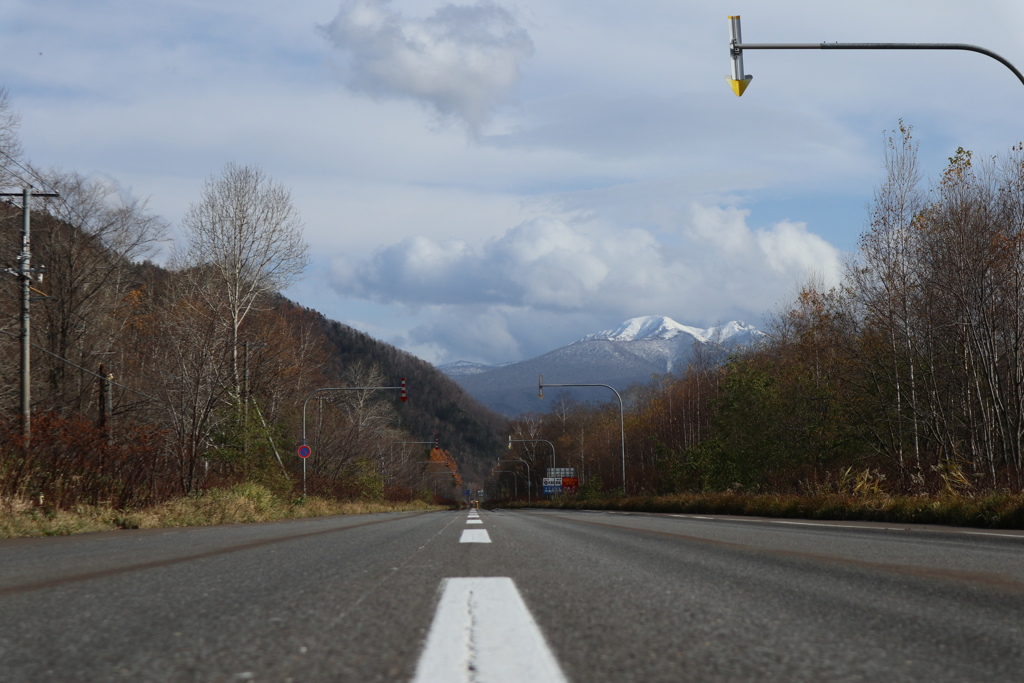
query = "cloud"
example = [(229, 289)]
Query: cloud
[(462, 61), (714, 268)]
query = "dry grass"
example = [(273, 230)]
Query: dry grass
[(993, 510), (240, 503)]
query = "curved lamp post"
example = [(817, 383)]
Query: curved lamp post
[(622, 420), (404, 397), (512, 441), (528, 498), (739, 81)]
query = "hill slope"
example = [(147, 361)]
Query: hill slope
[(437, 406)]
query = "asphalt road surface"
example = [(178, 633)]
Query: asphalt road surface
[(516, 596)]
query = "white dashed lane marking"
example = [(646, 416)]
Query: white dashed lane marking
[(475, 536), (483, 631)]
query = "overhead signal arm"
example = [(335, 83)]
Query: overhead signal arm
[(739, 81)]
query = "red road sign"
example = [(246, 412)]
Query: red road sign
[(304, 451)]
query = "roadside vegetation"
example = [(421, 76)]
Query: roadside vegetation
[(897, 395), (241, 503), (992, 511)]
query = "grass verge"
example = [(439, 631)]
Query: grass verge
[(991, 511), (240, 503)]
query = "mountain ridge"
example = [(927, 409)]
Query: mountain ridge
[(629, 354)]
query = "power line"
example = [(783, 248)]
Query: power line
[(88, 372), (26, 170)]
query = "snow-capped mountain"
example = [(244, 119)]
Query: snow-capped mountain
[(647, 327), (652, 327), (630, 354)]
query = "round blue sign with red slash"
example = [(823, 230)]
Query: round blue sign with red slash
[(304, 451)]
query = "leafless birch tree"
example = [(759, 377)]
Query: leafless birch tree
[(243, 241)]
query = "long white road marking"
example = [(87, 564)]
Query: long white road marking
[(877, 526), (475, 536), (483, 632)]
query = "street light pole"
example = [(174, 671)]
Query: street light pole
[(404, 396), (512, 441), (622, 419), (740, 81), (528, 498)]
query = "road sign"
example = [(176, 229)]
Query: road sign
[(570, 484), (552, 485), (304, 451), (561, 472)]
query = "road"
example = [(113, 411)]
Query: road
[(516, 596)]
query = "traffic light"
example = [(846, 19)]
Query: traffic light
[(405, 392), (739, 81)]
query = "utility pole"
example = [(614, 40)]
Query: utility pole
[(106, 402), (24, 273)]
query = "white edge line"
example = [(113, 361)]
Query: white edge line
[(887, 527)]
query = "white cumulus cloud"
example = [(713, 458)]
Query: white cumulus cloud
[(462, 61), (476, 292)]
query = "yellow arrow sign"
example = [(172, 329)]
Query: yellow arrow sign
[(739, 87)]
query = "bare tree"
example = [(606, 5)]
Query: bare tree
[(10, 144), (89, 240), (244, 240)]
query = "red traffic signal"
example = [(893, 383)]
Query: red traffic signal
[(405, 392)]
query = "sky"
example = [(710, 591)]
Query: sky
[(488, 181)]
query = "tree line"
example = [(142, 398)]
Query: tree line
[(906, 378), (152, 381)]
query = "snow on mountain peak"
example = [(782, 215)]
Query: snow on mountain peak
[(655, 327), (647, 327), (720, 333)]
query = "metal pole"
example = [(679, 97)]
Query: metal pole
[(25, 276), (528, 498), (737, 46), (313, 393), (24, 269), (883, 46), (106, 401), (512, 441), (622, 419), (317, 391)]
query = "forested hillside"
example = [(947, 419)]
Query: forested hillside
[(908, 378), (150, 382), (438, 408)]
